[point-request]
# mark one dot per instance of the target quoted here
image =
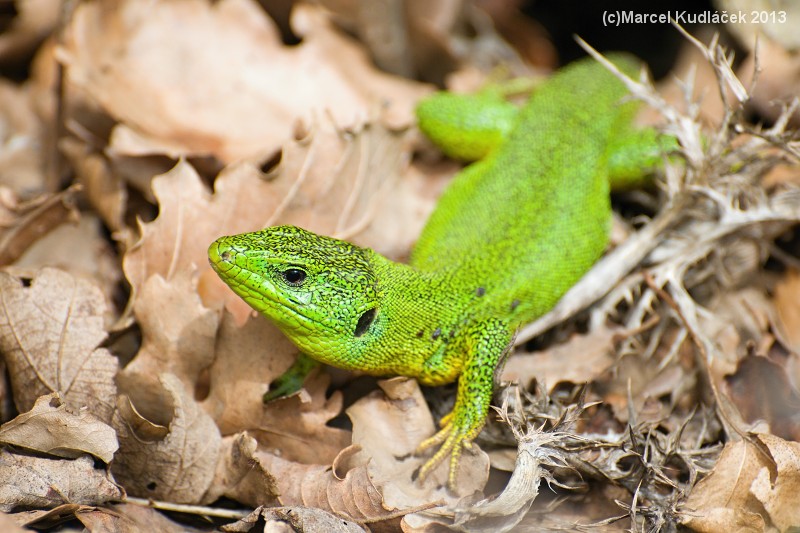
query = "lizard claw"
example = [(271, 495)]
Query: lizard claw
[(451, 439)]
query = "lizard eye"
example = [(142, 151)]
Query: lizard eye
[(294, 276)]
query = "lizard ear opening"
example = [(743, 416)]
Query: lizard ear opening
[(364, 321)]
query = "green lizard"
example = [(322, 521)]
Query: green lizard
[(510, 235)]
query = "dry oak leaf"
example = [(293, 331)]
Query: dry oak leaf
[(27, 481), (49, 333), (52, 428), (200, 78), (752, 486), (177, 333), (169, 451), (247, 359), (327, 181), (348, 494)]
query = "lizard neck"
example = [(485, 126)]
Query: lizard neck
[(419, 314)]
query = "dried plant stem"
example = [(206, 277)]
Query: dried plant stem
[(201, 510)]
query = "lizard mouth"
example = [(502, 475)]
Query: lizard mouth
[(253, 287)]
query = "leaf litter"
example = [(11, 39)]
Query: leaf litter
[(670, 400)]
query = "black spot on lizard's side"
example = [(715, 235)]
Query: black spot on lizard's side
[(364, 321)]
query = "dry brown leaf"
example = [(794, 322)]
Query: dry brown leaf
[(177, 333), (288, 519), (240, 476), (129, 518), (581, 359), (190, 219), (192, 77), (23, 223), (293, 479), (347, 494), (169, 451), (51, 427), (27, 481), (752, 486), (787, 305), (247, 359), (328, 181), (49, 333)]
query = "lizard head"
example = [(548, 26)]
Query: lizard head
[(321, 292)]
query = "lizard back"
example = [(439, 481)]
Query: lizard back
[(528, 221)]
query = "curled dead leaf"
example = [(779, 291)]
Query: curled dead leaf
[(170, 450), (51, 427), (352, 496), (49, 333)]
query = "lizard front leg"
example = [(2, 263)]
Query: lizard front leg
[(484, 344)]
